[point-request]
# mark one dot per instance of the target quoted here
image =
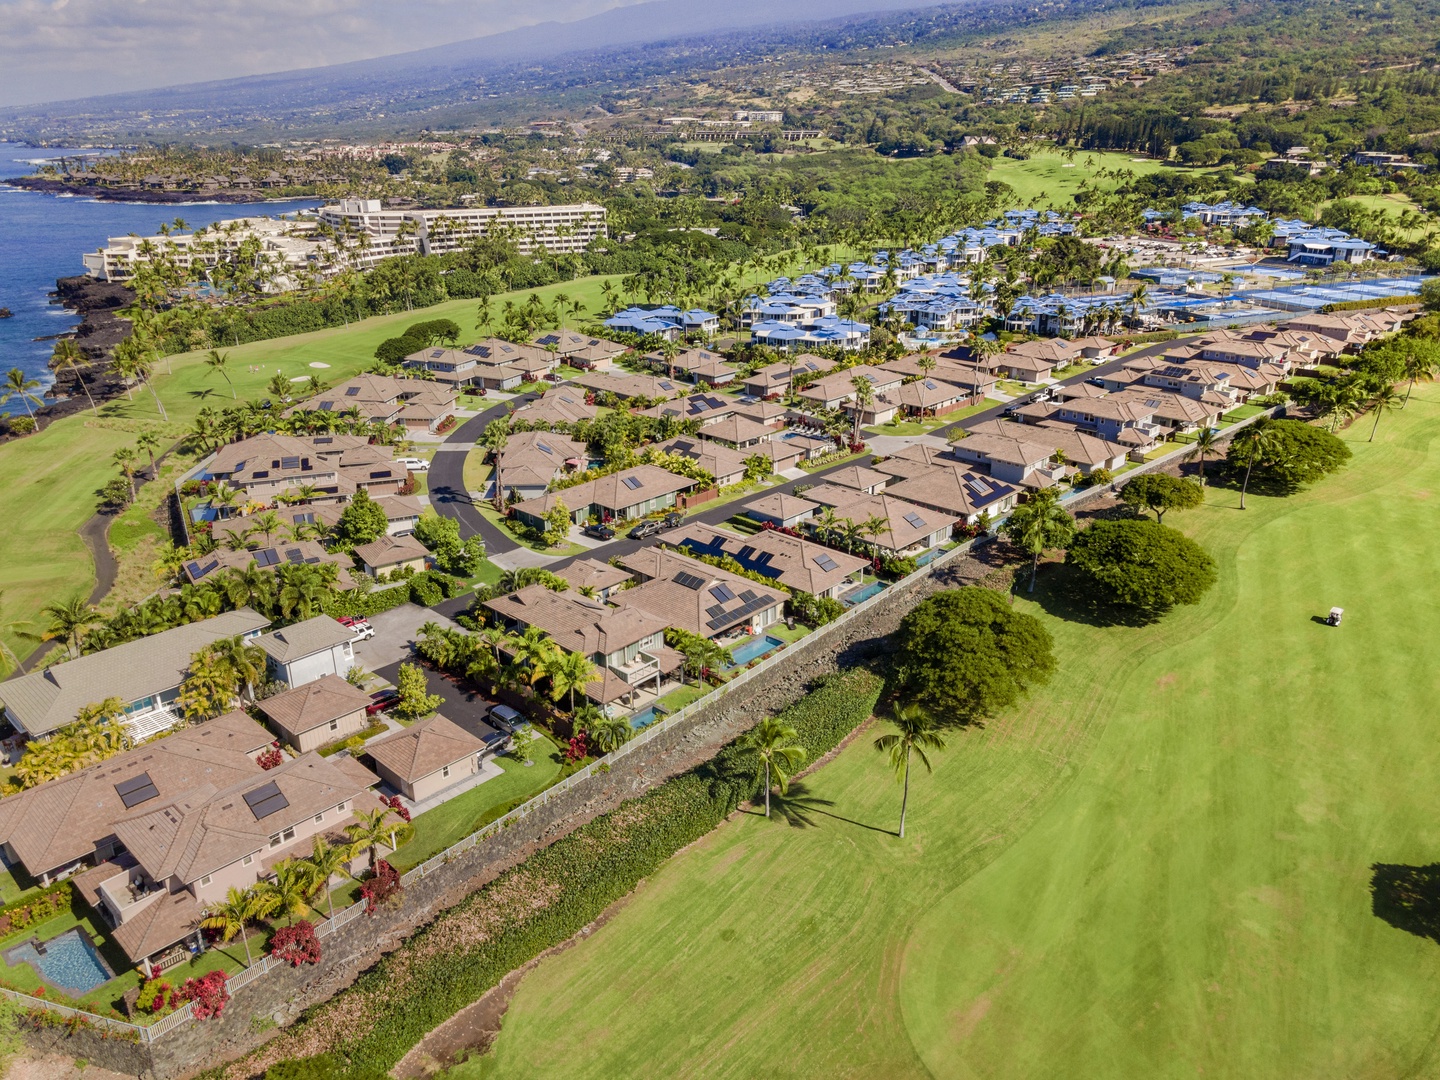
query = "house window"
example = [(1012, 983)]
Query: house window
[(334, 725), (283, 837), (319, 817), (340, 807), (205, 881), (445, 771), (247, 860)]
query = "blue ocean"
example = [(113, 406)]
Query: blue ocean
[(42, 238)]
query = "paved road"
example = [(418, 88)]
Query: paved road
[(449, 497)]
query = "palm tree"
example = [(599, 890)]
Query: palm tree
[(1385, 399), (267, 523), (1419, 365), (1039, 524), (772, 744), (17, 385), (124, 459), (67, 354), (216, 362), (370, 833), (916, 732), (233, 917), (288, 893), (1253, 442), (1207, 441), (568, 671), (147, 442), (323, 863), (532, 649), (607, 732), (864, 398), (67, 620)]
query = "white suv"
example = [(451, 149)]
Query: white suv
[(415, 464)]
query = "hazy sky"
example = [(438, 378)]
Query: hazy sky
[(52, 50)]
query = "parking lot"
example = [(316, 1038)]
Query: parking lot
[(395, 632)]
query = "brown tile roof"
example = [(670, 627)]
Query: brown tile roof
[(390, 551), (690, 595), (209, 828), (612, 492), (313, 704), (60, 822), (163, 922), (425, 747), (575, 623), (907, 523), (795, 563), (720, 461), (737, 429), (304, 638), (781, 505), (954, 491), (563, 405), (594, 573)]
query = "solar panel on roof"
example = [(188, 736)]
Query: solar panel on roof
[(289, 463), (915, 520), (266, 800), (723, 593), (631, 482), (689, 580), (380, 475), (136, 790), (715, 610), (294, 555), (326, 406), (545, 448), (266, 557), (930, 385), (826, 563), (303, 519), (352, 391), (748, 595), (745, 553)]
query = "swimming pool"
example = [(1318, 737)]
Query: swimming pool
[(929, 556), (69, 962), (753, 649), (646, 717), (865, 592)]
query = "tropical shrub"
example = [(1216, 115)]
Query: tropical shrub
[(269, 759), (209, 994), (296, 944), (381, 888), (394, 803)]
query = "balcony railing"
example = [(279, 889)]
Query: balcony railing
[(640, 670)]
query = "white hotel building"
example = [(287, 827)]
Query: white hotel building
[(566, 229)]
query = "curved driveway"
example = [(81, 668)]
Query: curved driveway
[(449, 497)]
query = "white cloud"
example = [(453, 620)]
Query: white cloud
[(58, 49)]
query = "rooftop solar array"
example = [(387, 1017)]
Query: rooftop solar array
[(631, 482), (266, 557), (198, 571), (689, 580), (723, 593), (826, 563), (136, 790), (352, 391), (746, 609), (915, 520), (266, 800)]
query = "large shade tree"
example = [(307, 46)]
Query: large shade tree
[(1141, 564), (965, 654)]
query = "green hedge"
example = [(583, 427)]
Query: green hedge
[(601, 862), (426, 589), (1367, 305)]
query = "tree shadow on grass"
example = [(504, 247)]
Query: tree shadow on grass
[(1065, 593), (799, 808), (1407, 897)]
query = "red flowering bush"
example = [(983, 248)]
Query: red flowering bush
[(577, 749), (209, 993), (381, 887), (296, 945), (394, 803), (270, 759)]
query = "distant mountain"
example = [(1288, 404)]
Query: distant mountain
[(427, 87)]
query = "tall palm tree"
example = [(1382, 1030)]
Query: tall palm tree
[(17, 385), (532, 649), (1253, 442), (864, 393), (1421, 362), (323, 863), (1385, 399), (568, 671), (233, 917), (605, 731), (1037, 525), (67, 619), (124, 459), (771, 743), (915, 733), (370, 833), (68, 354), (147, 442), (1207, 441), (267, 523), (216, 362)]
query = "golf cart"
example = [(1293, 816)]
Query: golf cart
[(1336, 614)]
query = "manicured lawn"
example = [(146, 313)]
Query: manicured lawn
[(1044, 179), (452, 821), (681, 696), (534, 545), (1159, 866)]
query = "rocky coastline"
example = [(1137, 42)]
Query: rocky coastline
[(105, 193)]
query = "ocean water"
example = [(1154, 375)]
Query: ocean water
[(42, 238)]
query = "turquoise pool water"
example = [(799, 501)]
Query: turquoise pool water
[(69, 962), (929, 556), (860, 595), (645, 717), (753, 649)]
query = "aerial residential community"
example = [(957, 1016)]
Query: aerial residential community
[(895, 542)]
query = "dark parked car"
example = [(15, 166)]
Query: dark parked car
[(381, 700), (645, 530), (598, 532), (672, 520)]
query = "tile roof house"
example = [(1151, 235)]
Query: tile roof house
[(834, 390), (145, 674), (305, 651), (389, 553), (64, 823), (958, 491), (861, 478), (267, 466), (532, 459), (300, 552), (429, 756), (774, 380), (737, 432), (315, 713), (629, 493), (562, 406), (626, 643), (780, 509), (191, 847), (581, 350), (798, 564), (381, 399), (909, 528), (698, 365), (626, 387), (402, 514), (720, 461), (600, 577), (707, 408), (696, 597)]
